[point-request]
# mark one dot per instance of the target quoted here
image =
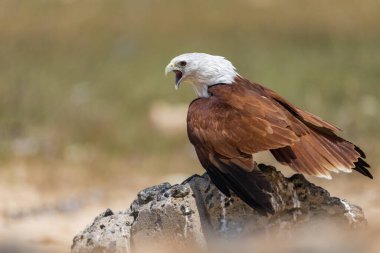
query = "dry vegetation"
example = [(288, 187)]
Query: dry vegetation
[(80, 79)]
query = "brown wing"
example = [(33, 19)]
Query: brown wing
[(321, 150), (307, 118), (236, 120)]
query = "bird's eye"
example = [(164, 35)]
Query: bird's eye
[(182, 63)]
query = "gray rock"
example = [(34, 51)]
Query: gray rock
[(109, 232), (195, 212)]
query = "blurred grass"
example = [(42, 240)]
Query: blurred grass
[(78, 77)]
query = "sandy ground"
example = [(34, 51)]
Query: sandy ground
[(43, 215)]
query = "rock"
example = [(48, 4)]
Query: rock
[(109, 232), (195, 212)]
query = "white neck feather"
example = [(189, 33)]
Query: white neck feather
[(201, 90)]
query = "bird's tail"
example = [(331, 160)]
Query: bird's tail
[(241, 176), (251, 186), (318, 154)]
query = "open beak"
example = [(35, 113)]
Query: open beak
[(178, 78), (178, 74)]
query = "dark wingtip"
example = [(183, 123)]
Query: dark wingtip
[(361, 152), (362, 166)]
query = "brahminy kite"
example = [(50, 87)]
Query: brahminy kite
[(233, 118)]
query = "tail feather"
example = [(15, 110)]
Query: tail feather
[(241, 176), (249, 185)]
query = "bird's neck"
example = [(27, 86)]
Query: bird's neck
[(201, 90)]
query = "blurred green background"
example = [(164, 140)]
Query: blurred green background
[(82, 76), (84, 101)]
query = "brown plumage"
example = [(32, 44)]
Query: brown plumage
[(234, 118), (243, 118)]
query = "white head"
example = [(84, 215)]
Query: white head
[(201, 71)]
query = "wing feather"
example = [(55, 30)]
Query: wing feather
[(327, 151)]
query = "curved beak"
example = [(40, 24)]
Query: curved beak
[(178, 74)]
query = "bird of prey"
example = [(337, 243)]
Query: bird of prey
[(233, 118)]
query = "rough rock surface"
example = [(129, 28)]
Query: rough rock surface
[(196, 212)]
